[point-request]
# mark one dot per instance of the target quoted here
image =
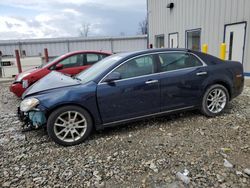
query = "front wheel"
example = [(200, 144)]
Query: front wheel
[(69, 125), (214, 100)]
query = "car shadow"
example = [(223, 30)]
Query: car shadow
[(124, 128), (132, 127)]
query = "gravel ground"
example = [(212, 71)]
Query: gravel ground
[(181, 150)]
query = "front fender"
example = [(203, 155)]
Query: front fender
[(80, 95)]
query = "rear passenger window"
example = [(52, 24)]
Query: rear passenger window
[(176, 61), (92, 58), (72, 61), (136, 67)]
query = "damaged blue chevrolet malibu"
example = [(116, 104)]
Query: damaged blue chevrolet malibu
[(128, 87)]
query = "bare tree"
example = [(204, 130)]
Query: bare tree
[(143, 27), (84, 29)]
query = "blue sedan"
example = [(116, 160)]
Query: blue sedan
[(128, 87)]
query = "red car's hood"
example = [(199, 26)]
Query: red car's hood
[(22, 75)]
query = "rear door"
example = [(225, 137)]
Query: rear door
[(181, 80), (136, 94)]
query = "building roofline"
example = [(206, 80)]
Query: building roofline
[(69, 39)]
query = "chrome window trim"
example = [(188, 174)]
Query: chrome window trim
[(158, 113), (203, 65), (125, 79)]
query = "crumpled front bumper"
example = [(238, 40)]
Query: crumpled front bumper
[(33, 119), (21, 116)]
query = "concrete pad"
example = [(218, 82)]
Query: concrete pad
[(3, 80)]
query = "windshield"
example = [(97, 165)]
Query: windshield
[(49, 63), (98, 68)]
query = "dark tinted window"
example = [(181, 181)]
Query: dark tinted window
[(159, 41), (175, 61), (193, 39), (137, 67)]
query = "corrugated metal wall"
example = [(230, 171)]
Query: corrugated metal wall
[(56, 47), (209, 15)]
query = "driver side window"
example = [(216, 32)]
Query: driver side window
[(136, 67)]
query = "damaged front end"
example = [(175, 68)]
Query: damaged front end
[(32, 117)]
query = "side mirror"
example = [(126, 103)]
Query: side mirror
[(59, 66), (112, 77)]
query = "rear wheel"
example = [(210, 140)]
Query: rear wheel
[(215, 100), (69, 125)]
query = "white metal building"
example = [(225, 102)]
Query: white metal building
[(191, 23), (59, 46), (32, 50)]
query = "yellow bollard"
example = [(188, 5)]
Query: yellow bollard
[(205, 48), (223, 47)]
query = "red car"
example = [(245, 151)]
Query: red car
[(71, 63)]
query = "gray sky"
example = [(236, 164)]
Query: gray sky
[(21, 19)]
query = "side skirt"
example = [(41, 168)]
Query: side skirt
[(114, 123)]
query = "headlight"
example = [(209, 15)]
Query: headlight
[(25, 83), (21, 76), (28, 104)]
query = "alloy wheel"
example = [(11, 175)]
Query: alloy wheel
[(216, 100), (70, 126)]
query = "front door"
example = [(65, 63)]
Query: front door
[(136, 94), (235, 39), (173, 40)]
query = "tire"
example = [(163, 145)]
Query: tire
[(215, 100), (69, 125)]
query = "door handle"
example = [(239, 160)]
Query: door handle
[(151, 81), (201, 73)]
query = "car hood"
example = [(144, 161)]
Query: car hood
[(52, 80), (20, 76)]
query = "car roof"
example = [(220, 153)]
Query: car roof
[(209, 59), (87, 51), (159, 50), (155, 50), (163, 49)]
